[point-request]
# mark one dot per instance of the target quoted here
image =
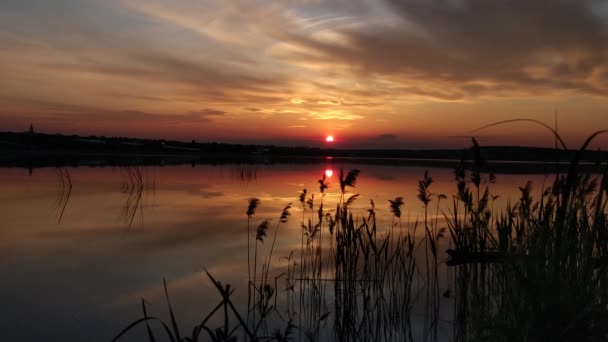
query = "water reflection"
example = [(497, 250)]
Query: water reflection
[(137, 183), (64, 193), (90, 266), (245, 174)]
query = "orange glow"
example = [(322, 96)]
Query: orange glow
[(329, 173), (329, 138)]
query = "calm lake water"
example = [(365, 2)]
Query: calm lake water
[(80, 275)]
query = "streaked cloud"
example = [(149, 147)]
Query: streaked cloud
[(362, 66)]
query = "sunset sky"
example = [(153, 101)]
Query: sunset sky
[(372, 73)]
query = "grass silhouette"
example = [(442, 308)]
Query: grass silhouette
[(535, 269)]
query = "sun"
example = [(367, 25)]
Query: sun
[(330, 138)]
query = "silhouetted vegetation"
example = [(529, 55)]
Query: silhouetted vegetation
[(533, 270), (31, 150)]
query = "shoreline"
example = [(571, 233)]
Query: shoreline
[(43, 159)]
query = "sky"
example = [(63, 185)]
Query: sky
[(372, 73)]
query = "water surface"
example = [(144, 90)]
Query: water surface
[(75, 262)]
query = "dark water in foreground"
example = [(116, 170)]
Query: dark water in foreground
[(74, 263)]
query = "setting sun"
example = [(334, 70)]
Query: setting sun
[(329, 138)]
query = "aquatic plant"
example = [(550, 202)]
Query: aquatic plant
[(534, 269)]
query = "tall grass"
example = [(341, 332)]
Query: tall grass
[(537, 269), (534, 269)]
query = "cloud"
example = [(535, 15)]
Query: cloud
[(335, 115), (209, 78), (453, 50), (209, 113), (212, 20), (366, 66), (96, 118), (206, 115), (387, 137)]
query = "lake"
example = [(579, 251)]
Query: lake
[(76, 260)]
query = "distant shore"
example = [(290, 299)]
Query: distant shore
[(34, 150)]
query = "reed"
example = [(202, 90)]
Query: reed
[(534, 269)]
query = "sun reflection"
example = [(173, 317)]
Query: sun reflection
[(329, 173)]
